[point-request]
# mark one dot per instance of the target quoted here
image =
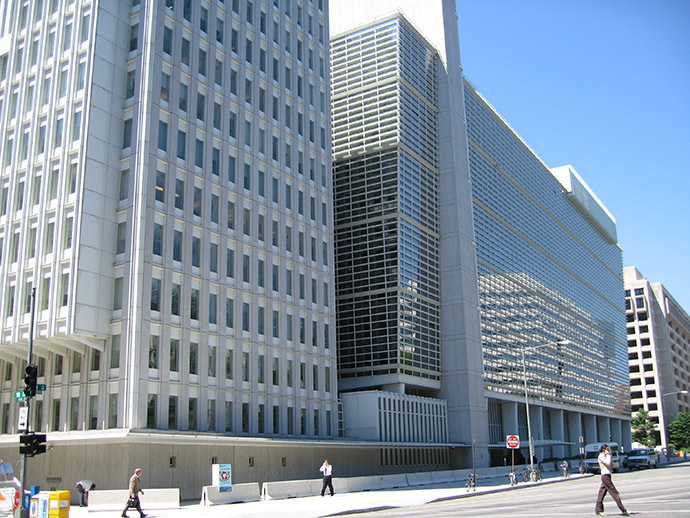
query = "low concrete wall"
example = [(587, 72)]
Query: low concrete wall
[(418, 479), (442, 477), (115, 499), (354, 484), (298, 488), (290, 489), (211, 495)]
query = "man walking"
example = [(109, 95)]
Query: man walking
[(133, 495), (607, 486), (327, 471)]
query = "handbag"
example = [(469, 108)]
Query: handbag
[(131, 501)]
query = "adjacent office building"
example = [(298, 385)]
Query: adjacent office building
[(406, 292), (658, 351), (165, 190), (550, 281), (547, 273)]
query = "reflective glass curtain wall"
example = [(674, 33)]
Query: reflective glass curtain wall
[(546, 274), (385, 144)]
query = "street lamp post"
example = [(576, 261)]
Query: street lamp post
[(524, 378), (676, 392), (665, 430)]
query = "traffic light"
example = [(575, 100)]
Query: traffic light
[(31, 379), (31, 444)]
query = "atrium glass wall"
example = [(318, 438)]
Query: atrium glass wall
[(386, 208)]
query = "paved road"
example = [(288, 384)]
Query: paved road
[(663, 492)]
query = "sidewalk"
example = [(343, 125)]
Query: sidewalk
[(317, 506)]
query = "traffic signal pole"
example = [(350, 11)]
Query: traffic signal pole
[(22, 511)]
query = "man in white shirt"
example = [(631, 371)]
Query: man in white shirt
[(607, 486), (327, 471)]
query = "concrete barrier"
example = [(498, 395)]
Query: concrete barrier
[(419, 479), (443, 477), (355, 484), (211, 495), (290, 489), (391, 481), (115, 499), (298, 488)]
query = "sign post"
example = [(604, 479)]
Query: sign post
[(512, 443), (23, 418)]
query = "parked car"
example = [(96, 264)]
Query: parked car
[(592, 456), (642, 457)]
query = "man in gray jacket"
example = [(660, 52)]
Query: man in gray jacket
[(133, 495)]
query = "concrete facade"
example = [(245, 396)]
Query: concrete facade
[(658, 351), (165, 185)]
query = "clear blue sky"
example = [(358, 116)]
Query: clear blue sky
[(603, 85)]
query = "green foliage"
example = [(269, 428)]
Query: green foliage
[(679, 431), (643, 430)]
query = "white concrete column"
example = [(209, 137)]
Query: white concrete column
[(556, 421), (626, 435), (616, 432), (603, 429), (536, 415), (574, 423), (590, 427)]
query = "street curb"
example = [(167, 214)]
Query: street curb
[(524, 485), (497, 489)]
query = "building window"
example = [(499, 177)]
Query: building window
[(192, 413), (193, 358), (157, 239), (228, 364), (155, 294), (133, 37), (194, 305), (172, 412), (175, 300), (174, 355), (245, 366), (126, 134), (212, 361), (153, 351)]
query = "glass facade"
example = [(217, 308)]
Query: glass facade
[(386, 206), (546, 273)]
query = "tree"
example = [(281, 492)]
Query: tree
[(679, 431), (643, 429)]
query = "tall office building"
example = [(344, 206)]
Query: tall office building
[(408, 226), (165, 182), (550, 278), (658, 351), (408, 327)]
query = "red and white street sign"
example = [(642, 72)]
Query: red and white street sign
[(513, 441)]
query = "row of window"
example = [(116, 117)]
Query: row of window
[(199, 201), (44, 295), (249, 314), (51, 35), (283, 420), (194, 250), (172, 357), (189, 10)]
